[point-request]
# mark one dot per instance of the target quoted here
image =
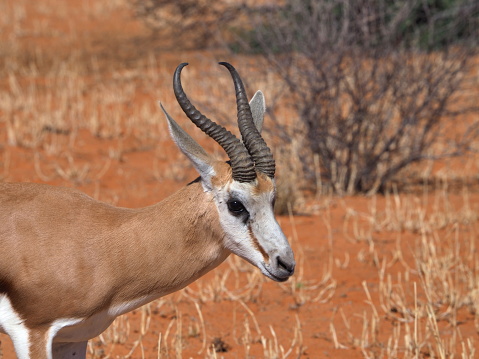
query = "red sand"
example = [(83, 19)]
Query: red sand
[(335, 264)]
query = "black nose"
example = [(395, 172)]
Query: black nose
[(287, 267)]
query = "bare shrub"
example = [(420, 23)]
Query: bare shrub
[(373, 83)]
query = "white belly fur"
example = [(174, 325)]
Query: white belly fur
[(63, 330), (79, 330)]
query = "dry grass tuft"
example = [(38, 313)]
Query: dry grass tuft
[(390, 276)]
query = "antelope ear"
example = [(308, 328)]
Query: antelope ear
[(258, 108), (202, 161)]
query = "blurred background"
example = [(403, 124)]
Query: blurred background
[(373, 117)]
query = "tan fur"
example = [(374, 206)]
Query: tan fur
[(223, 174), (70, 264), (39, 342), (264, 184), (66, 255)]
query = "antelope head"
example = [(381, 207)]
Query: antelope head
[(243, 189)]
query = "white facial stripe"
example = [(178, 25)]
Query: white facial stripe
[(257, 244), (260, 239), (268, 232), (12, 324)]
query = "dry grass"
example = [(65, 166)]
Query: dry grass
[(422, 302), (420, 297), (427, 282)]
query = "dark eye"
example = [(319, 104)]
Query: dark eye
[(236, 207)]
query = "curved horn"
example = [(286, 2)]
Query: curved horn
[(255, 144), (241, 162)]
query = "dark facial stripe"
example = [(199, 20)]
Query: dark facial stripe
[(256, 244)]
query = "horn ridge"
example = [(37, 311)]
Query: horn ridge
[(241, 163), (253, 141)]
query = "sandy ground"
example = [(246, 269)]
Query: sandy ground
[(346, 258), (386, 276)]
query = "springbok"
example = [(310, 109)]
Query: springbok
[(69, 265)]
